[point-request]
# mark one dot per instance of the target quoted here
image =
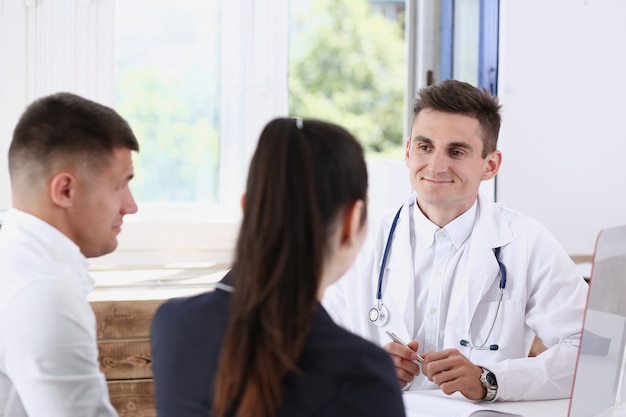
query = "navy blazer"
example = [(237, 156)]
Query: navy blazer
[(343, 374)]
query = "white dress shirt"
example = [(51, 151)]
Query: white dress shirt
[(435, 260), (48, 351)]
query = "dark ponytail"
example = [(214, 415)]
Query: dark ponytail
[(302, 175)]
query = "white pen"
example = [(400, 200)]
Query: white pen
[(398, 340)]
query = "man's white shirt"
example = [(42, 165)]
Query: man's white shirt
[(48, 350)]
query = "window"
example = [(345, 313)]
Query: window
[(348, 65), (167, 82), (469, 42), (197, 82), (469, 49), (70, 46)]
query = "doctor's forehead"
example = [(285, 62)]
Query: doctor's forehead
[(436, 126)]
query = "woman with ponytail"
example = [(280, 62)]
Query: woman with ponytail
[(261, 344)]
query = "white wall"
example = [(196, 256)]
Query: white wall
[(562, 83)]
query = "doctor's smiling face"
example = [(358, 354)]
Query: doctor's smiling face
[(445, 162)]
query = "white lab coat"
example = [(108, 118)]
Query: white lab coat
[(544, 295)]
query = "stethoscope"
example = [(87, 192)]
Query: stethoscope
[(379, 314), (467, 342)]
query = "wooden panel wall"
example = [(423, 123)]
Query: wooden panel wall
[(123, 329)]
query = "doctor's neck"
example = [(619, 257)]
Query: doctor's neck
[(442, 213)]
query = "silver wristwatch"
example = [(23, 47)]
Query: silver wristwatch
[(490, 383)]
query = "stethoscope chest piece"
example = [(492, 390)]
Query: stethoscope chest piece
[(379, 315)]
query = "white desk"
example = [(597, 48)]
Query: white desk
[(547, 408)]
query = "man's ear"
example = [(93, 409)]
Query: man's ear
[(352, 222), (63, 189), (492, 165)]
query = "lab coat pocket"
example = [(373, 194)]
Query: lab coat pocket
[(497, 330)]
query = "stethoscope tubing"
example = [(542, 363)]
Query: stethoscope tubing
[(381, 319), (381, 273)]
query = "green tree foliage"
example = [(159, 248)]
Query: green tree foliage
[(347, 65), (168, 90), (169, 116)]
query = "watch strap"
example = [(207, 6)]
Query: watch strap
[(489, 381)]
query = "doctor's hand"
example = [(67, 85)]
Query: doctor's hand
[(403, 359), (453, 372)]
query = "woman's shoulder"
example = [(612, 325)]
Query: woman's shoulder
[(328, 338), (188, 312), (348, 374), (186, 305)]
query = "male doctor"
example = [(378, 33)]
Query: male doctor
[(466, 282)]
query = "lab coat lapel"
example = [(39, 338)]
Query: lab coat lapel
[(490, 231), (401, 281)]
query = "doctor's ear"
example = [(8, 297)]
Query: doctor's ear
[(353, 223), (407, 149), (492, 165)]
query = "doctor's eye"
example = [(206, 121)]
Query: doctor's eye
[(457, 153)]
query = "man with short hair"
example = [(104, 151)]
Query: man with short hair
[(466, 281), (70, 164)]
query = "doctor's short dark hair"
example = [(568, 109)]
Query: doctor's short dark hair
[(457, 97), (66, 125)]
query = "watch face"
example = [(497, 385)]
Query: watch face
[(491, 378)]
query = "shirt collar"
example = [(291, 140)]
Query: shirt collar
[(49, 241), (458, 229)]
